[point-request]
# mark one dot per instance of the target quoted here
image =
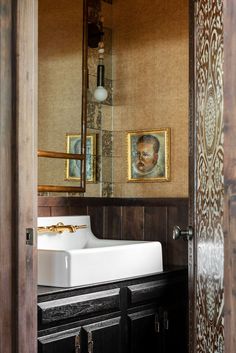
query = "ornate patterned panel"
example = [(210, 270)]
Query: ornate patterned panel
[(209, 176)]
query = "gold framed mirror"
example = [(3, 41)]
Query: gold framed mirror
[(63, 82)]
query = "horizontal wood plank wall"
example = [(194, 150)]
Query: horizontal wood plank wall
[(129, 219)]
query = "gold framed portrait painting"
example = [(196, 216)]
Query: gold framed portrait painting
[(73, 166), (148, 155)]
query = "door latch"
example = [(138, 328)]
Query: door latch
[(29, 236)]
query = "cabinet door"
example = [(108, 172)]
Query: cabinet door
[(102, 337), (60, 342), (175, 330), (145, 332)]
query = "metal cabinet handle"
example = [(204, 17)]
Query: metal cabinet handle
[(77, 344), (90, 342), (184, 234), (166, 321), (157, 323)]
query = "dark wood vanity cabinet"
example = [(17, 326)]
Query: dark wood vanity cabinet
[(60, 342), (139, 315), (102, 336), (144, 331), (157, 316)]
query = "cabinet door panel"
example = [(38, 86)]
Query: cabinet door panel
[(175, 330), (60, 342), (145, 332), (103, 336)]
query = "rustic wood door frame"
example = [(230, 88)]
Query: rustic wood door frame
[(18, 175), (206, 250)]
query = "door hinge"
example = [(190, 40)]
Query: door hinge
[(90, 342), (77, 344)]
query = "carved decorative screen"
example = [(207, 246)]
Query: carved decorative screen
[(209, 176)]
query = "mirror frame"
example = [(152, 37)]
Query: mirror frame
[(82, 156)]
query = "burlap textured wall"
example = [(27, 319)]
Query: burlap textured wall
[(150, 72), (60, 60)]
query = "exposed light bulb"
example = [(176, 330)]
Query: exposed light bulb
[(100, 94)]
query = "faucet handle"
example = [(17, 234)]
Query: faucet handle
[(60, 228)]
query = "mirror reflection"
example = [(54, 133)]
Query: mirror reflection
[(60, 60), (146, 76), (145, 57)]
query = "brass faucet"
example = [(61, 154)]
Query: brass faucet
[(60, 228)]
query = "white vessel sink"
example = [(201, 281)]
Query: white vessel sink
[(73, 259)]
